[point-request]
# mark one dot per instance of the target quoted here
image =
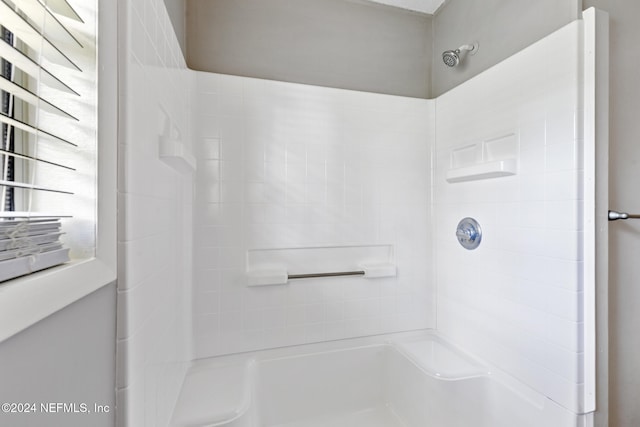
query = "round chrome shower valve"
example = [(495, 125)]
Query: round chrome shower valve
[(469, 233)]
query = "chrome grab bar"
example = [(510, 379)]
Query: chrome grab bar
[(314, 275), (613, 216)]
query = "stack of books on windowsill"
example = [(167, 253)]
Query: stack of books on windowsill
[(28, 245)]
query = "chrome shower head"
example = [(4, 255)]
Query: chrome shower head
[(452, 58)]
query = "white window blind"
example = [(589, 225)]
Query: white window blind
[(48, 147)]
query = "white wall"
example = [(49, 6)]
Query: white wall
[(517, 299), (284, 165), (155, 211), (69, 357)]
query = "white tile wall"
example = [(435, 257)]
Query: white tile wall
[(517, 299), (155, 220), (285, 165)]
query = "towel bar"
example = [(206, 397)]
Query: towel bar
[(613, 216), (314, 275)]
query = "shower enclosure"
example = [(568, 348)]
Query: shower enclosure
[(250, 184)]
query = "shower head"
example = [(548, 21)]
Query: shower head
[(452, 58)]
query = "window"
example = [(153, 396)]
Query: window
[(91, 233), (49, 141), (8, 136)]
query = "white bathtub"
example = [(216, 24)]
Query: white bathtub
[(403, 380)]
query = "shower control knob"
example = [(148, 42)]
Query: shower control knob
[(469, 233)]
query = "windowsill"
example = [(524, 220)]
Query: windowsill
[(26, 300)]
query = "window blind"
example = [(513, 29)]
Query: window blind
[(42, 56)]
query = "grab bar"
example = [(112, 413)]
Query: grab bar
[(315, 275), (281, 277), (613, 216)]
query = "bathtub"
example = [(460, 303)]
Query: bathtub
[(401, 380)]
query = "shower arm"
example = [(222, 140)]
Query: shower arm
[(614, 216), (468, 47)]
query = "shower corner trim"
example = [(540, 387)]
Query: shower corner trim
[(596, 146)]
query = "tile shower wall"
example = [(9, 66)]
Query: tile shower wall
[(285, 165), (155, 217), (517, 299)]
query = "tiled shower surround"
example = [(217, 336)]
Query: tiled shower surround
[(517, 299), (285, 165), (155, 206)]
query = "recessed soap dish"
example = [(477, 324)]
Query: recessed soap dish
[(490, 158), (175, 154), (483, 171)]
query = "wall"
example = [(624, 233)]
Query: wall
[(501, 28), (155, 216), (39, 365), (517, 300), (624, 245), (425, 6), (335, 43), (177, 14), (284, 165), (624, 375)]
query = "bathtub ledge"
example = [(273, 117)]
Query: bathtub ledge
[(214, 395), (438, 359)]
